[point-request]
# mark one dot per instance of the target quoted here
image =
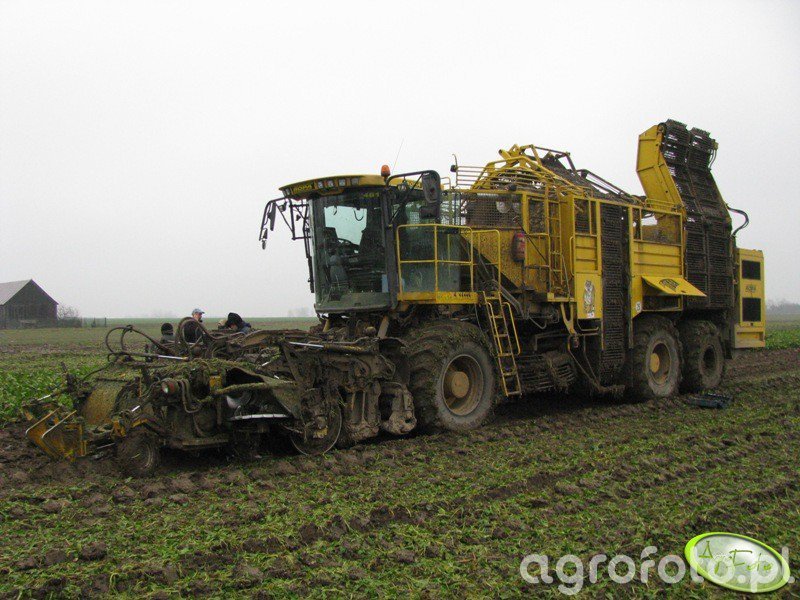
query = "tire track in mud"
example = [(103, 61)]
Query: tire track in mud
[(220, 557), (462, 512), (729, 500), (544, 480), (582, 411)]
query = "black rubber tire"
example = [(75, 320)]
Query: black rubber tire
[(653, 334), (432, 348), (138, 454), (345, 441), (703, 356)]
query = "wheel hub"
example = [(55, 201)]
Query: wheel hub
[(319, 435), (457, 383), (655, 362), (462, 385), (660, 362)]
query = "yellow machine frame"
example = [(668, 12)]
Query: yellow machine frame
[(562, 263), (559, 259)]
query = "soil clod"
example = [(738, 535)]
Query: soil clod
[(93, 551)]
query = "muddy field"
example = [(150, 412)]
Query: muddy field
[(433, 516)]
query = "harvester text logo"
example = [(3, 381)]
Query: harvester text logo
[(670, 283)]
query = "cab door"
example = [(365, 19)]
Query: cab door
[(750, 331)]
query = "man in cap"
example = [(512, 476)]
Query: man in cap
[(192, 331)]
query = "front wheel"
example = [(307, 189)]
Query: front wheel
[(452, 377), (138, 454)]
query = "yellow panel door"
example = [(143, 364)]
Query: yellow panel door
[(751, 328)]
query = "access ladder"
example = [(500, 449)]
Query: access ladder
[(504, 339)]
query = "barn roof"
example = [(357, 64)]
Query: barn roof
[(11, 288)]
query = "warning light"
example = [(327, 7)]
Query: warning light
[(385, 171)]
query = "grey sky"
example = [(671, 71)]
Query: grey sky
[(140, 140)]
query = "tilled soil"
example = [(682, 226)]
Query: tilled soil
[(437, 515)]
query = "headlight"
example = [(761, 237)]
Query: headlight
[(169, 387)]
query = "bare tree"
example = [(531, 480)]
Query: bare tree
[(68, 312)]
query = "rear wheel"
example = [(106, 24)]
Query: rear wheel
[(452, 377), (138, 454), (654, 362), (703, 357)]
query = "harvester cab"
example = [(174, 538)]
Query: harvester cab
[(349, 226)]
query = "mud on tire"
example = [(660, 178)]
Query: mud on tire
[(654, 362), (703, 356), (139, 453), (452, 376)]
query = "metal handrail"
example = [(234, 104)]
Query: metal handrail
[(466, 233)]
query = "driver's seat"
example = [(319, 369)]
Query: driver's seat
[(334, 260), (371, 241)]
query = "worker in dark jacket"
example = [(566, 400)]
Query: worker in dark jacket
[(236, 323)]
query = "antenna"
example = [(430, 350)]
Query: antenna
[(398, 154)]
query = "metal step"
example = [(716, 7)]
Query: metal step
[(495, 309)]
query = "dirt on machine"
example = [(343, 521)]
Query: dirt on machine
[(439, 297)]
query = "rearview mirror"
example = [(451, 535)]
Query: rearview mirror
[(273, 209), (432, 190), (431, 187)]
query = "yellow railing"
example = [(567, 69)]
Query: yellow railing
[(436, 263)]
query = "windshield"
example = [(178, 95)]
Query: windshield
[(349, 251)]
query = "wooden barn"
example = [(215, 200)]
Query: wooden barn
[(25, 304)]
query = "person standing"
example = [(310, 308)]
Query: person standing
[(192, 331)]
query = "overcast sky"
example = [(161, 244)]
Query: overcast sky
[(139, 140)]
